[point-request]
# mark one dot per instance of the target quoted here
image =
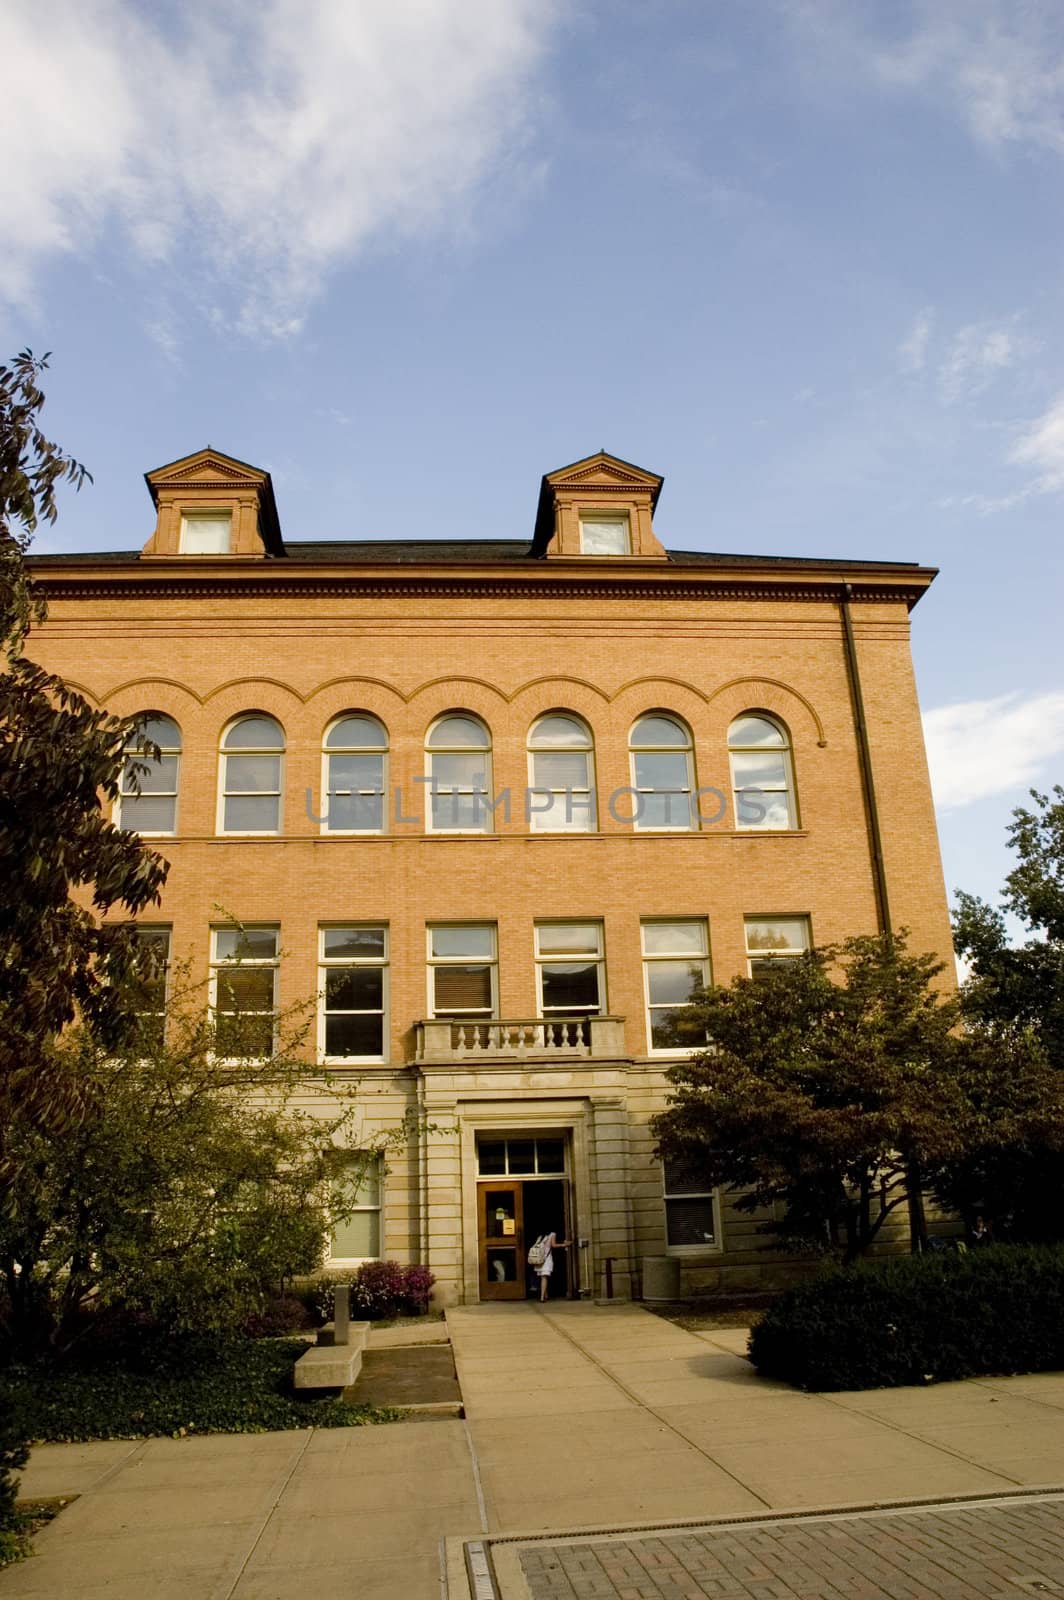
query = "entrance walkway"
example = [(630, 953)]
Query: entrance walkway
[(584, 1415), (578, 1417)]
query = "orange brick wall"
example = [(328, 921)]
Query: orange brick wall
[(204, 661), (305, 662)]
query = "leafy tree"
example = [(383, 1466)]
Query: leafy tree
[(190, 1186), (1021, 985), (828, 1091), (1015, 992), (63, 866)]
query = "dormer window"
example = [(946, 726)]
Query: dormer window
[(206, 533), (605, 536)]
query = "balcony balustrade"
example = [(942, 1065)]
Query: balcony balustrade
[(519, 1039)]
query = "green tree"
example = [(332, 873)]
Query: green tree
[(1014, 995), (829, 1091), (64, 867), (1021, 985), (189, 1187)]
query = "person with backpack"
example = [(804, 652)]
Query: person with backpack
[(541, 1258)]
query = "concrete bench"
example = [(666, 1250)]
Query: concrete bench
[(334, 1362)]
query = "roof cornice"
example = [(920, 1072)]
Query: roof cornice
[(238, 579)]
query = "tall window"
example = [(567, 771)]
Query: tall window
[(244, 968), (762, 773), (560, 773), (690, 1207), (206, 533), (252, 767), (355, 752), (463, 970), (675, 966), (605, 535), (459, 769), (154, 809), (662, 773), (771, 939), (353, 983), (150, 977), (356, 1206), (570, 972)]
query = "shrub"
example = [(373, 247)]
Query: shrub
[(918, 1319), (280, 1314), (417, 1287), (380, 1289), (13, 1454), (377, 1290)]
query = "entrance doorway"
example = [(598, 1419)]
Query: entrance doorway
[(530, 1196)]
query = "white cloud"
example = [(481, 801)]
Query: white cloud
[(1041, 445), (260, 145), (978, 748), (912, 352), (978, 353), (998, 64)]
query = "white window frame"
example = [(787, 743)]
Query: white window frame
[(649, 960), (487, 824), (708, 1247), (687, 751), (333, 963), (775, 955), (583, 806), (224, 792), (433, 961), (194, 514), (377, 1160), (222, 964), (156, 794), (327, 791), (602, 514), (548, 959), (785, 750)]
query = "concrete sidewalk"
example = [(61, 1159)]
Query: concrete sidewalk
[(584, 1415), (577, 1416)]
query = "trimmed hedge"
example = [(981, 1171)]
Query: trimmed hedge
[(918, 1319)]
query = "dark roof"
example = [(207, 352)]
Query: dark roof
[(475, 552)]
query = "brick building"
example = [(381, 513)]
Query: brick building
[(498, 805)]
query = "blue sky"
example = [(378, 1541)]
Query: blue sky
[(803, 258)]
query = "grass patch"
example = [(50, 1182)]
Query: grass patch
[(28, 1518), (244, 1386)]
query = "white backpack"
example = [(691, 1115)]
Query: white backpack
[(538, 1252)]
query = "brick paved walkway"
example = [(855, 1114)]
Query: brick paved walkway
[(962, 1551)]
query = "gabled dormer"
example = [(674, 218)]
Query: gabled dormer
[(210, 504), (600, 508)]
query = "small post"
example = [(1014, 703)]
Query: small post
[(609, 1277), (341, 1313)]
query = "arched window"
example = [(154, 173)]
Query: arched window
[(561, 776), (252, 783), (662, 774), (356, 748), (761, 772), (458, 751), (154, 808)]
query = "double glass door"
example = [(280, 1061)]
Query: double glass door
[(513, 1213)]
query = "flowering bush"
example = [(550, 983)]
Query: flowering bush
[(417, 1287), (380, 1289)]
